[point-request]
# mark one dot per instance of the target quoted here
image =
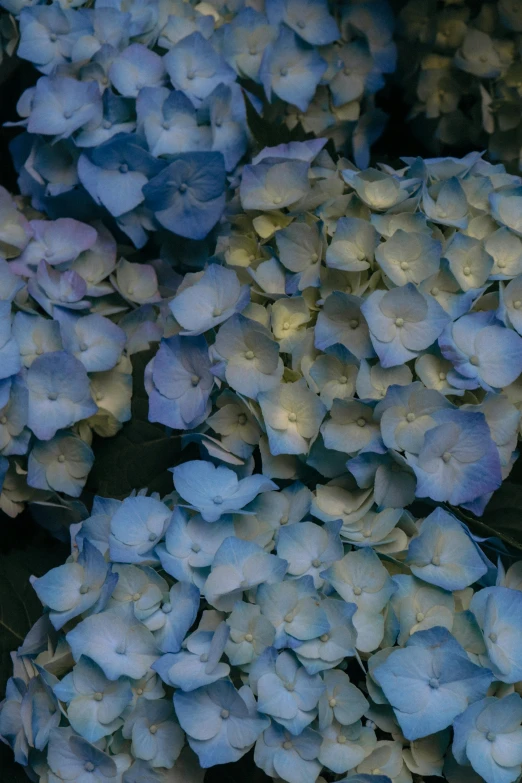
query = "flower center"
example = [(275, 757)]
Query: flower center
[(474, 360), (153, 729), (249, 637), (89, 766), (446, 456), (332, 702), (433, 683), (357, 591), (491, 737), (419, 617), (410, 417), (361, 422), (249, 355), (194, 380), (61, 458), (225, 714), (287, 745), (399, 322), (354, 323), (292, 417), (98, 696), (218, 500)]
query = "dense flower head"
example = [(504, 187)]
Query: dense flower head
[(338, 350), (148, 102), (66, 310), (351, 328), (460, 68), (173, 641)]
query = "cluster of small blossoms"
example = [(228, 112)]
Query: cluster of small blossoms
[(71, 315), (355, 330), (464, 61), (141, 112), (181, 634)]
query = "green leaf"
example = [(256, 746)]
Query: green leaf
[(268, 130), (20, 607), (502, 517), (141, 453)]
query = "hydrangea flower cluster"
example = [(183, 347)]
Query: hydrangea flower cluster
[(464, 62), (69, 321), (181, 634), (356, 330), (140, 111)]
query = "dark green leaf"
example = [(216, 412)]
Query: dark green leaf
[(20, 607), (267, 130), (140, 454), (503, 514), (502, 517)]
